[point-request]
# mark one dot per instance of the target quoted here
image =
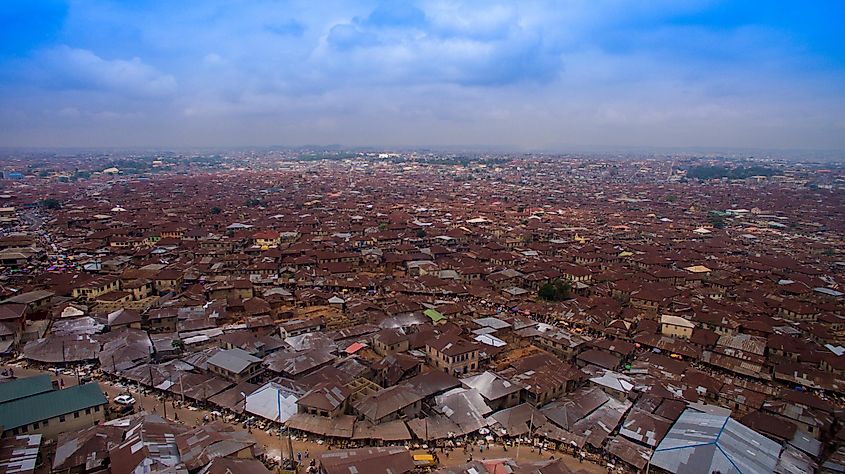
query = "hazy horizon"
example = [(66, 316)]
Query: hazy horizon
[(518, 76)]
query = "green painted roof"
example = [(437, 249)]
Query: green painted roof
[(434, 315), (51, 404), (26, 387)]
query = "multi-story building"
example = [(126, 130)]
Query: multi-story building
[(453, 354)]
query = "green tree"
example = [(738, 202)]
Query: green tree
[(555, 290), (51, 203), (421, 233), (215, 210), (717, 221)]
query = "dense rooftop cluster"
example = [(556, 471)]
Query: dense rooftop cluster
[(649, 311)]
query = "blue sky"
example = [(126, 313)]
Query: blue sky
[(526, 74)]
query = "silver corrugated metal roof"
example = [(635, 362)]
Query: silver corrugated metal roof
[(233, 360), (264, 402), (707, 442)]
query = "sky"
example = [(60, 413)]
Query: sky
[(529, 75)]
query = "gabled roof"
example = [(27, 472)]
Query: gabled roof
[(710, 442), (200, 445), (234, 360), (388, 460), (387, 401), (325, 396), (434, 315), (492, 386), (50, 404), (26, 387)]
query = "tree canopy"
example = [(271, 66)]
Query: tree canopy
[(718, 172), (555, 290), (51, 203)]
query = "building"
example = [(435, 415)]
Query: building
[(713, 442), (26, 387), (38, 301), (168, 280), (53, 412), (497, 391), (20, 454), (326, 399), (399, 401), (91, 290), (296, 328), (8, 216), (387, 460), (676, 326), (162, 320), (235, 365), (267, 238), (390, 341), (453, 354)]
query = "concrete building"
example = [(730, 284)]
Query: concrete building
[(236, 365), (453, 355), (52, 412), (676, 326)]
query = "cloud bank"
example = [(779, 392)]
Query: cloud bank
[(529, 74)]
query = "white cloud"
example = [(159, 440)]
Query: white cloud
[(71, 68), (213, 58), (432, 72)]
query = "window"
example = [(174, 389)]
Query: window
[(97, 408), (35, 425), (76, 414), (62, 419), (87, 411)]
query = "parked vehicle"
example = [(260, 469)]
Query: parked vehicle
[(124, 400)]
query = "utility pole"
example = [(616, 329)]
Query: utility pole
[(290, 450), (281, 453), (531, 427), (64, 362), (164, 397)]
